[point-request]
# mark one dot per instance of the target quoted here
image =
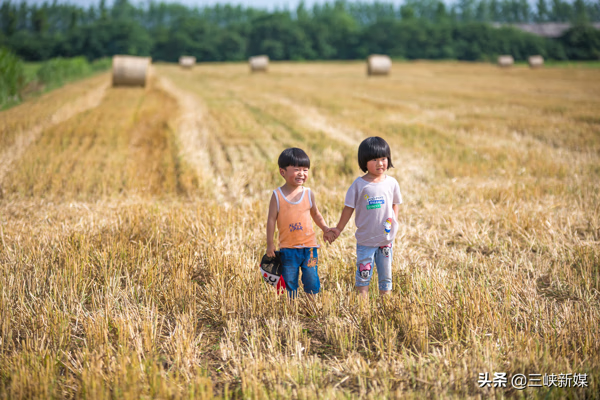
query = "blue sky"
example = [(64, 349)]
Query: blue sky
[(268, 4)]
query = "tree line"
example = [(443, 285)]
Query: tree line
[(417, 29)]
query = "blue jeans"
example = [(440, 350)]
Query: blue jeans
[(294, 260), (369, 257)]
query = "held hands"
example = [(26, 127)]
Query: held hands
[(331, 234)]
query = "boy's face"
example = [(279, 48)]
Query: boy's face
[(377, 166), (294, 176)]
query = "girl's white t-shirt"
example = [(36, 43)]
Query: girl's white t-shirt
[(376, 224)]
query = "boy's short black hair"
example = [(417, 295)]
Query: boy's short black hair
[(295, 157), (372, 148)]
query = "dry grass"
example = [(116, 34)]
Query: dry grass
[(43, 108), (131, 232)]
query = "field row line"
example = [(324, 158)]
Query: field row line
[(193, 134)]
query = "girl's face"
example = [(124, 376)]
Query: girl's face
[(377, 166)]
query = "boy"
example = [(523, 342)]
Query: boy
[(291, 208)]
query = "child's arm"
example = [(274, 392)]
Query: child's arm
[(395, 208), (344, 218), (271, 221), (316, 215)]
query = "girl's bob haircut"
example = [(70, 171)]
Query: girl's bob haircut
[(372, 148), (293, 156)]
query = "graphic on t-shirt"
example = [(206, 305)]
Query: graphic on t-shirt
[(387, 225), (374, 202), (296, 227), (364, 270)]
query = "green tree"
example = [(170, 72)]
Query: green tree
[(74, 18), (278, 36), (39, 20), (524, 11), (231, 46), (580, 15), (542, 11), (191, 36), (407, 12), (8, 18), (12, 77), (102, 10), (482, 11), (561, 11), (441, 14), (495, 11), (582, 43), (466, 9)]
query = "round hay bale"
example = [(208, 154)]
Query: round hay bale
[(187, 61), (506, 61), (130, 70), (536, 61), (378, 64), (259, 63)]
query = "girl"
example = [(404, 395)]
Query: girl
[(375, 196)]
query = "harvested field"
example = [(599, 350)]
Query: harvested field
[(131, 229)]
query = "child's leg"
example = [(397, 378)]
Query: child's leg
[(363, 291), (291, 259), (383, 260), (310, 272), (365, 261)]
